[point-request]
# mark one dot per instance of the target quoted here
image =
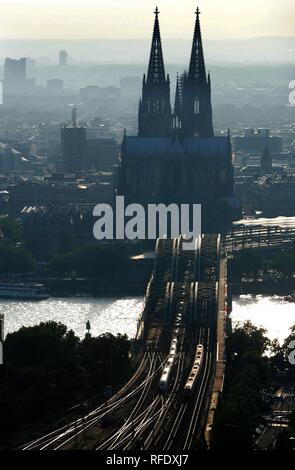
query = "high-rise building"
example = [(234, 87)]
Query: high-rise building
[(63, 58), (73, 143), (15, 70), (55, 86), (266, 162), (48, 139), (175, 158)]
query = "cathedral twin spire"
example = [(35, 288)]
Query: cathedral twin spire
[(154, 107), (156, 70), (197, 70), (192, 110)]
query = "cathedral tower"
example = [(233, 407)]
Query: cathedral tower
[(154, 118), (196, 92)]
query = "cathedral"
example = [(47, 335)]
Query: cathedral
[(176, 158)]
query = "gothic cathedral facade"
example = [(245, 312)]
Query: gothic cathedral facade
[(176, 158)]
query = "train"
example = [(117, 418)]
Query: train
[(164, 380), (192, 379)]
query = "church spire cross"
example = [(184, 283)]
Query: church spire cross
[(197, 70), (156, 70)]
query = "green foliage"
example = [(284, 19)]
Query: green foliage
[(247, 338), (284, 263), (47, 369), (40, 344), (280, 360), (286, 352), (62, 264), (97, 259), (283, 443), (292, 423), (11, 229), (247, 373), (15, 260), (105, 357), (248, 262), (92, 260)]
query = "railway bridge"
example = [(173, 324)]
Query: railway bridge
[(244, 236), (170, 401)]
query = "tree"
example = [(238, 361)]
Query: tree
[(278, 357), (283, 442), (247, 374), (284, 263), (104, 358), (248, 262), (286, 350), (41, 375), (15, 260), (36, 345), (99, 259), (62, 264), (47, 369), (247, 338), (11, 229), (292, 423)]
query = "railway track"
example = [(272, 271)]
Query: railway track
[(182, 299), (118, 437), (188, 423), (63, 435)]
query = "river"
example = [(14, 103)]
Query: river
[(121, 315), (105, 314), (274, 314)]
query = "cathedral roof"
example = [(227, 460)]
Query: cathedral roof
[(152, 146), (177, 148), (207, 145)]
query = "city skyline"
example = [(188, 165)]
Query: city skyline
[(147, 228), (229, 20)]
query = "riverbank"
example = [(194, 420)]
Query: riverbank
[(97, 287), (270, 287), (132, 282)]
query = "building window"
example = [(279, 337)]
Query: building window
[(156, 107), (196, 105)]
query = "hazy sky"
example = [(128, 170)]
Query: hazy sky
[(67, 19)]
